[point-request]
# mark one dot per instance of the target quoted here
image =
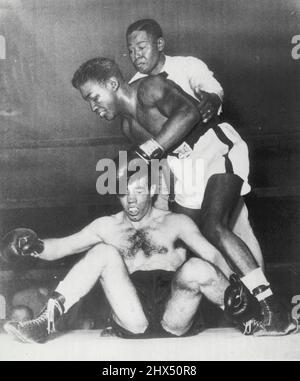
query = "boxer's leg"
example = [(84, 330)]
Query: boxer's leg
[(240, 225), (221, 197), (101, 262), (194, 279), (105, 263), (218, 259)]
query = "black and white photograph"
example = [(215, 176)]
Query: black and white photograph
[(149, 182)]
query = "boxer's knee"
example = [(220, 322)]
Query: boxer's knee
[(173, 328), (102, 255), (138, 327), (194, 274)]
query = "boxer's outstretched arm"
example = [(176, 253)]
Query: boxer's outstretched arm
[(173, 103), (189, 233), (57, 248)]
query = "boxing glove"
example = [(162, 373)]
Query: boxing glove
[(20, 243), (146, 152), (240, 304)]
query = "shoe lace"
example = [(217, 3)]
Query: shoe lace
[(48, 315), (52, 304), (251, 325)]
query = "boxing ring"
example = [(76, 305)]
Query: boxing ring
[(212, 344)]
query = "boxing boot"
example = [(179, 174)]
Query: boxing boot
[(39, 329), (275, 321)]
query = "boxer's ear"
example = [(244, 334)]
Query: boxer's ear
[(112, 84), (161, 44)]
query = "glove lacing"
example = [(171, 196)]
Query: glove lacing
[(251, 325)]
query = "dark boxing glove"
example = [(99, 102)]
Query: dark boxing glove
[(146, 152), (20, 243), (240, 304)]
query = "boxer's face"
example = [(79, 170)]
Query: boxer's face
[(138, 200), (101, 98), (144, 51)]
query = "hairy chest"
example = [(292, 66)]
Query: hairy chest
[(148, 242)]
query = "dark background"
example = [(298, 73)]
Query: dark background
[(51, 141)]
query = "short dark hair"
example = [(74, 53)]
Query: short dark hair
[(150, 26), (151, 179), (99, 69)]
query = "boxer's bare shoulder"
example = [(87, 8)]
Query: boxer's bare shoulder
[(102, 223), (178, 224), (157, 87), (110, 229), (152, 88)]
